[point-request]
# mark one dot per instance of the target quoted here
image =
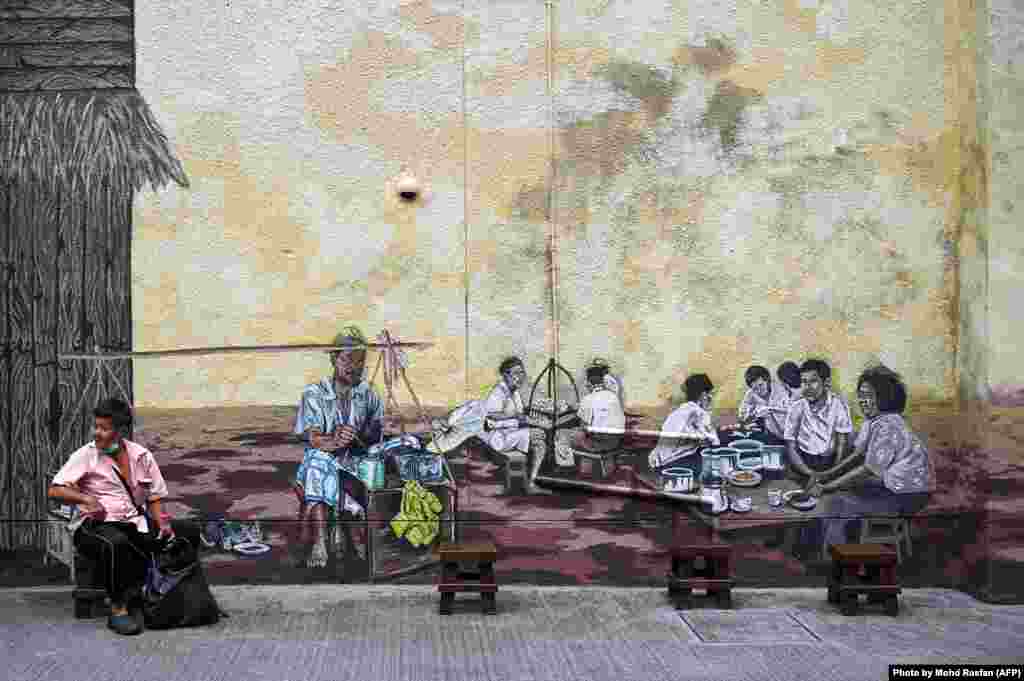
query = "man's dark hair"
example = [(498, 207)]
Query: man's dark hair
[(789, 373), (596, 373), (889, 389), (696, 385), (117, 411), (755, 372), (818, 366), (508, 363)]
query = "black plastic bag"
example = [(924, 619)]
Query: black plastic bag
[(176, 593)]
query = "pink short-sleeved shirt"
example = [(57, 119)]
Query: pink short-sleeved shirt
[(93, 473)]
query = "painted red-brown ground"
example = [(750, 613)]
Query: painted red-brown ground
[(238, 462)]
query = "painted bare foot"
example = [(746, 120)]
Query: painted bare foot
[(339, 539), (318, 556), (532, 488), (359, 546)]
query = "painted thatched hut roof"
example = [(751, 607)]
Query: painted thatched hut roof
[(77, 141)]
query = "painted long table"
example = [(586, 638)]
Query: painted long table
[(782, 521)]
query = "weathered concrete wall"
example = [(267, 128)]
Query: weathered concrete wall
[(1001, 87), (732, 183), (293, 120), (1005, 84)]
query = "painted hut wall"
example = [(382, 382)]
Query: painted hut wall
[(66, 45), (66, 290), (66, 235)]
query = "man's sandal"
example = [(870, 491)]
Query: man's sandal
[(126, 624)]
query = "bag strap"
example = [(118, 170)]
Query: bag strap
[(140, 509)]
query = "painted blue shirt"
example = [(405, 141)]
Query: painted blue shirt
[(319, 409)]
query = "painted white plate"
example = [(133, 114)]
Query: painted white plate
[(805, 506), (251, 548)]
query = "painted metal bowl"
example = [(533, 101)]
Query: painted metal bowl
[(772, 456), (677, 479)]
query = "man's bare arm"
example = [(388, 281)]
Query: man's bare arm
[(70, 495), (316, 438), (849, 479), (798, 463), (840, 442), (847, 464)]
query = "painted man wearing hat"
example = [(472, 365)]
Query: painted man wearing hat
[(339, 418)]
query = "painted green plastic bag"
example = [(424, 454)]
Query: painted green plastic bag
[(418, 519)]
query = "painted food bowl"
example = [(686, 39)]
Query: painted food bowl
[(742, 478), (751, 461), (771, 456), (721, 460), (742, 505), (677, 479)]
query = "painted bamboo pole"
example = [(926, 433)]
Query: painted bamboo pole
[(618, 489)]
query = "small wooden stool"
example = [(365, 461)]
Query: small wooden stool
[(715, 577), (515, 467), (880, 584), (453, 581)]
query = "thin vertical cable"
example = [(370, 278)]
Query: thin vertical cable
[(465, 207), (465, 251), (549, 7)]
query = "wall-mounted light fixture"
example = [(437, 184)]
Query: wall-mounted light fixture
[(408, 188)]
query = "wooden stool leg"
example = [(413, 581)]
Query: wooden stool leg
[(835, 580), (682, 598), (449, 574), (447, 603), (720, 570), (887, 575), (83, 608), (488, 597)]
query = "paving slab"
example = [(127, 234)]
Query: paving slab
[(365, 633), (748, 626)]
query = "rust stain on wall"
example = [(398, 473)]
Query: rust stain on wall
[(340, 100), (829, 58), (715, 57), (800, 18), (446, 29), (725, 111)]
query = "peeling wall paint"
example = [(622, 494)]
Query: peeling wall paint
[(731, 184)]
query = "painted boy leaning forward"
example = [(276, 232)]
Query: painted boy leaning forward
[(339, 418)]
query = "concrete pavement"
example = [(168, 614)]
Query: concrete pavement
[(303, 633)]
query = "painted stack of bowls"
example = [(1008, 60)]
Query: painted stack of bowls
[(750, 454)]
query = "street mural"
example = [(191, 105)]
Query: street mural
[(618, 294)]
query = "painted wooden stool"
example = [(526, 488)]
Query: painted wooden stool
[(879, 582), (453, 580), (715, 577)]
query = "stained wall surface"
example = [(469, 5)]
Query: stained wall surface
[(732, 183)]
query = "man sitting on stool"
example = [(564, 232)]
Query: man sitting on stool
[(601, 415), (110, 530)]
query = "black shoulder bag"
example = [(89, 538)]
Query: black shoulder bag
[(175, 593)]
